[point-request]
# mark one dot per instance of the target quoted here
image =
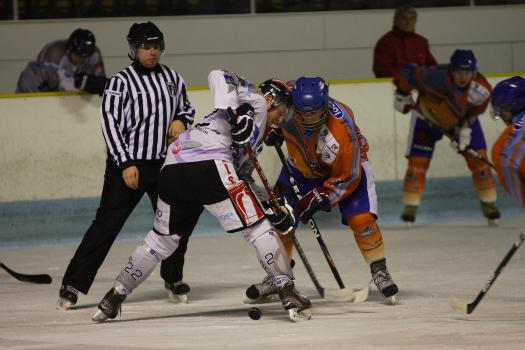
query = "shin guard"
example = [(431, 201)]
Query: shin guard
[(270, 251), (367, 236), (414, 183), (140, 265), (482, 177)]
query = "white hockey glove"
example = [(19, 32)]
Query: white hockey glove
[(243, 125), (403, 102), (283, 220), (463, 137)]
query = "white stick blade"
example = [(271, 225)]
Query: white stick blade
[(361, 295), (458, 306), (345, 294)]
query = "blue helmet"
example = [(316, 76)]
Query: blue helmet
[(463, 59), (508, 95), (310, 101)]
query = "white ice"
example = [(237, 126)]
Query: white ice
[(431, 262)]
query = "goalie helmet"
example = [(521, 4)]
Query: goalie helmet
[(141, 34), (278, 90), (464, 60), (81, 41), (310, 100), (508, 95)]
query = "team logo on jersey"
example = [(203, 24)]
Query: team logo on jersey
[(113, 93), (477, 94), (335, 110), (171, 88), (180, 146)]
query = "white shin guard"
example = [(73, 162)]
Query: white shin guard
[(270, 250), (144, 260)]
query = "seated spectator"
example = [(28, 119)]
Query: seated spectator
[(74, 64), (401, 45)]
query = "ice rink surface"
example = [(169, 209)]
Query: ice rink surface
[(431, 262)]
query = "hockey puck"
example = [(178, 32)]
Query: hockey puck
[(254, 313)]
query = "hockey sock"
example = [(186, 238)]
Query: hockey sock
[(414, 183), (287, 241), (482, 177), (367, 236)]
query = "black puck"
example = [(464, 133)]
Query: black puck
[(254, 313)]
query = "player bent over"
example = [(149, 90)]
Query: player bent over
[(327, 154), (449, 102), (199, 172), (508, 152)]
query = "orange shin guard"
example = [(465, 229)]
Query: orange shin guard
[(367, 236), (482, 177), (414, 183)]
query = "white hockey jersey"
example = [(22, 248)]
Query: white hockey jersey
[(211, 139)]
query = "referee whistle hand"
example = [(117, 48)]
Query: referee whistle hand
[(131, 177)]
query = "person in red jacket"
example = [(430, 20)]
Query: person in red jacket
[(401, 45)]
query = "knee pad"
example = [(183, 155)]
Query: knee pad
[(162, 245), (482, 177), (414, 182), (367, 236)]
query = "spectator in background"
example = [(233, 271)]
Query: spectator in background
[(401, 45), (74, 64)]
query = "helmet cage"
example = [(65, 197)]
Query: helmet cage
[(312, 120)]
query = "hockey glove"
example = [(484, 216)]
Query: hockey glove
[(315, 200), (273, 136), (462, 139), (282, 220), (403, 101), (243, 125), (95, 84)]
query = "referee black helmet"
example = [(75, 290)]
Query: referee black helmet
[(141, 34)]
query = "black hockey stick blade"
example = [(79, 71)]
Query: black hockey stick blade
[(39, 279), (465, 308)]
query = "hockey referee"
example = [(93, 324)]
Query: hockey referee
[(143, 108)]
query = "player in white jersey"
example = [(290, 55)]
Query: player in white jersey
[(200, 172)]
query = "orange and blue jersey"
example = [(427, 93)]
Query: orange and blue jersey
[(331, 155), (508, 155), (439, 100)]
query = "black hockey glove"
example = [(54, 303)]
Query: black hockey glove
[(273, 136), (243, 125), (315, 200), (282, 220), (95, 84), (90, 83)]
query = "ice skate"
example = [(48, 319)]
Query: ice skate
[(177, 291), (263, 292), (491, 212), (67, 297), (109, 306), (297, 305), (409, 214), (383, 280)]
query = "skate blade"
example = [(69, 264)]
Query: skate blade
[(178, 298), (298, 315), (99, 317), (391, 300), (262, 300), (64, 304), (493, 222)]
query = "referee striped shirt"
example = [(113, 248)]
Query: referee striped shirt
[(137, 108)]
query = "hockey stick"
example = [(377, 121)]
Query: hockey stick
[(328, 293), (40, 279), (359, 296), (458, 306), (469, 150)]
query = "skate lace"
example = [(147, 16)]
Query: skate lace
[(382, 279), (266, 287)]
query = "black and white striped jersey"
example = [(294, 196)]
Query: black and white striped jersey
[(137, 108)]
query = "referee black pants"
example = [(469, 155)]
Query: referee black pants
[(116, 204)]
